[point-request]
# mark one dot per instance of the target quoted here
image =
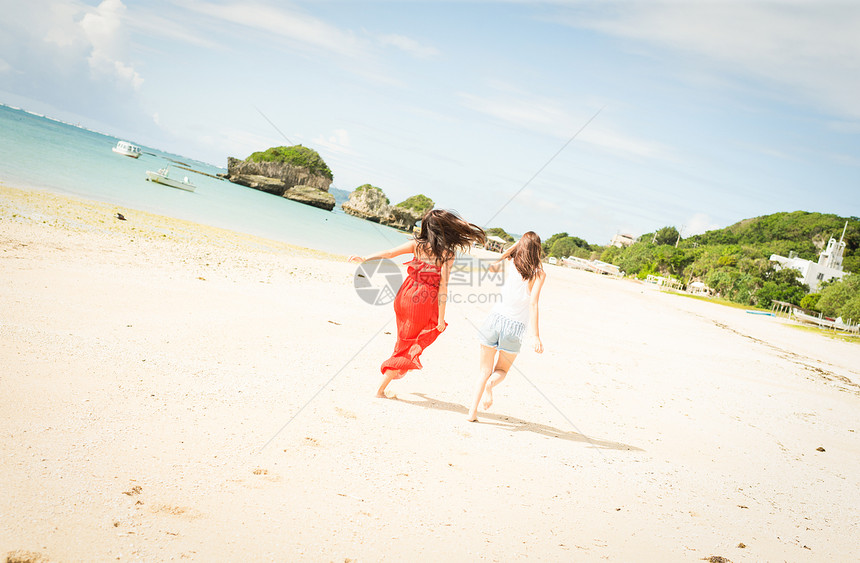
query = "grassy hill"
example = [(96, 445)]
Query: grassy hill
[(735, 261), (801, 231)]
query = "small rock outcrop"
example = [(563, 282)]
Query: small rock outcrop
[(311, 196), (258, 182), (405, 214), (402, 218), (251, 174), (280, 178), (368, 202)]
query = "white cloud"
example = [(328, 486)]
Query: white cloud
[(619, 142), (811, 47), (408, 45), (305, 34), (67, 34), (287, 23), (4, 66), (62, 30), (103, 27), (846, 159), (847, 127), (535, 115), (767, 151), (155, 25), (337, 142), (530, 198), (698, 224), (546, 116)]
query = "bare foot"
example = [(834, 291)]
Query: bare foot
[(488, 397), (385, 395), (473, 417)]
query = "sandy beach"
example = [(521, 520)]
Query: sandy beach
[(172, 391)]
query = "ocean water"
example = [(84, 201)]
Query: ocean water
[(41, 153)]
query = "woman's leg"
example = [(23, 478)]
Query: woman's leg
[(387, 376), (488, 355), (500, 370)]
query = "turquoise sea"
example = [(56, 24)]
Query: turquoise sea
[(41, 153)]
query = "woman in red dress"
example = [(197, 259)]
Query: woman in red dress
[(420, 302)]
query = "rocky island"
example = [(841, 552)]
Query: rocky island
[(300, 174), (370, 203), (296, 173)]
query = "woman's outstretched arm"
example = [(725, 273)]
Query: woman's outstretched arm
[(508, 251), (405, 248), (506, 255)]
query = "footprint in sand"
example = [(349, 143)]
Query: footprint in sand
[(183, 511), (345, 413), (136, 490), (22, 556)]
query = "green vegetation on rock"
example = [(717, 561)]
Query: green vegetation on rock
[(420, 204), (363, 187), (296, 155)]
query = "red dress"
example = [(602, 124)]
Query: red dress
[(417, 308)]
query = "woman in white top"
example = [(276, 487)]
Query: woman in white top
[(503, 330)]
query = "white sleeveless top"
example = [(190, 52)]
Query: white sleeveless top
[(515, 296)]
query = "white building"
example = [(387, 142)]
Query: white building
[(828, 267), (606, 268), (574, 262), (621, 241), (495, 244), (595, 266), (698, 288)]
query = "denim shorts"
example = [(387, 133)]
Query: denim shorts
[(502, 333)]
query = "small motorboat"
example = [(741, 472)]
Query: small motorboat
[(127, 149), (163, 177)]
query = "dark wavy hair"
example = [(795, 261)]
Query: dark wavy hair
[(444, 232), (527, 255)]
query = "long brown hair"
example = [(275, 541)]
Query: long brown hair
[(444, 232), (527, 254)]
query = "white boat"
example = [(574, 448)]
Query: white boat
[(163, 177), (127, 149), (806, 318)]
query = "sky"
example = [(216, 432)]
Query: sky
[(591, 118)]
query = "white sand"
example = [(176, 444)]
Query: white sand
[(172, 391)]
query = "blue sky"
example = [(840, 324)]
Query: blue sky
[(702, 113)]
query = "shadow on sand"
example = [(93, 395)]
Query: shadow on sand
[(514, 424)]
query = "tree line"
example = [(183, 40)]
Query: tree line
[(735, 261)]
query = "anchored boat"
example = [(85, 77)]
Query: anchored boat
[(127, 149), (163, 177)]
